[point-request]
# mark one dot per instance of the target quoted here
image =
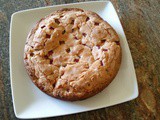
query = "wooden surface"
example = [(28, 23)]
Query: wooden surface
[(141, 23)]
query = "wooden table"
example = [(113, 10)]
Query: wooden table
[(141, 23)]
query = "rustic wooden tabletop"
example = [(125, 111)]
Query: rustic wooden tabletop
[(141, 23)]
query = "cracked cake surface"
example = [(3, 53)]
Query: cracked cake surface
[(72, 54)]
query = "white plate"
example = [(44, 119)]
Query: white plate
[(30, 102)]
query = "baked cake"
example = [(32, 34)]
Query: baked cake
[(72, 54)]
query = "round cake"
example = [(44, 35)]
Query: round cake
[(72, 54)]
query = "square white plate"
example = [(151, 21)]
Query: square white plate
[(30, 102)]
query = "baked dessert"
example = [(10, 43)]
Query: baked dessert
[(72, 54)]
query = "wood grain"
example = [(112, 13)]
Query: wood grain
[(141, 23)]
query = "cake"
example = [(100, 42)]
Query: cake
[(72, 54)]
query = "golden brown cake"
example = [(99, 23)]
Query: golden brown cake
[(72, 54)]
